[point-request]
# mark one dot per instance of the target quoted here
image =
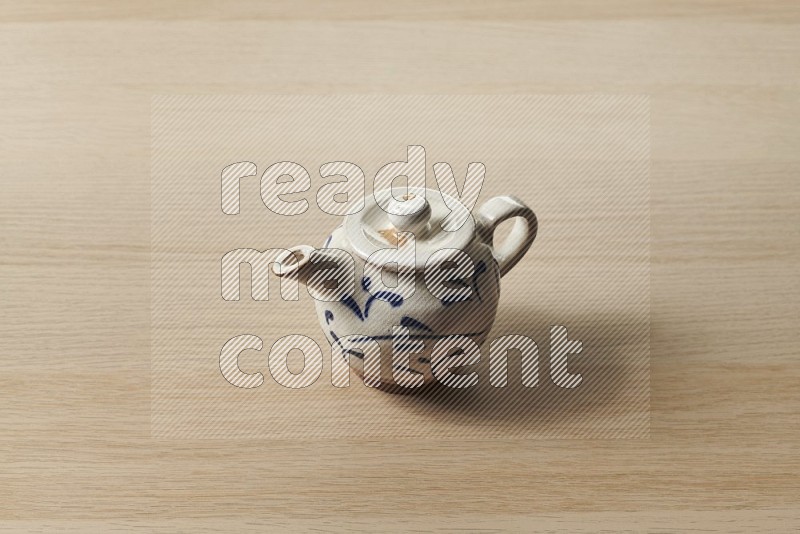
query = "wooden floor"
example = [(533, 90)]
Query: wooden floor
[(76, 451)]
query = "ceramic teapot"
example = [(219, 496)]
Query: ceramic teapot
[(423, 270)]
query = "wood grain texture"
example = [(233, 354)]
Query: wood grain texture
[(75, 445)]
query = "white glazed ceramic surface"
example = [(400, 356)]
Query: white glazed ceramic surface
[(363, 316)]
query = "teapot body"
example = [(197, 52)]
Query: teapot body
[(400, 339), (406, 329)]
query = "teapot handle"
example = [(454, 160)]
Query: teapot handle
[(498, 209)]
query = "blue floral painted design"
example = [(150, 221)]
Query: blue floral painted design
[(355, 352), (406, 321), (418, 329), (410, 322), (392, 298), (351, 303)]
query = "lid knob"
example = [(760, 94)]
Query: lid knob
[(409, 213)]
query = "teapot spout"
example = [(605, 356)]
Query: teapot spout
[(294, 264), (301, 262)]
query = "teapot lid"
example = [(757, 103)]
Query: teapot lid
[(437, 220)]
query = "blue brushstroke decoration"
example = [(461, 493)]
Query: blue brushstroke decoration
[(392, 298), (357, 353), (449, 301), (328, 316), (410, 322), (351, 303), (336, 340), (415, 336)]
